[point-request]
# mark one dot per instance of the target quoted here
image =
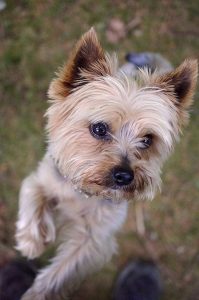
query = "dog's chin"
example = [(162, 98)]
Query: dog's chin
[(114, 193)]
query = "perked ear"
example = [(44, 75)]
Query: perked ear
[(87, 62), (181, 83)]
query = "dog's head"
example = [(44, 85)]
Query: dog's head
[(110, 134)]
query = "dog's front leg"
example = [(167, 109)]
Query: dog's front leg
[(35, 227), (83, 253)]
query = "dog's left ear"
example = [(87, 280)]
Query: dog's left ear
[(180, 83), (87, 62)]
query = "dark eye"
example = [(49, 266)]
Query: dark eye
[(99, 130), (146, 141)]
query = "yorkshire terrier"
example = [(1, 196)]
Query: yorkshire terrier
[(108, 137)]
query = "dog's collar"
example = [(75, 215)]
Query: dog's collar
[(57, 171), (66, 179)]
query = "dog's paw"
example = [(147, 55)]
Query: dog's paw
[(28, 246), (33, 238)]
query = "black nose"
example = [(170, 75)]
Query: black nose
[(122, 176)]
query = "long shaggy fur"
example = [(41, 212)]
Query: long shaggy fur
[(70, 199)]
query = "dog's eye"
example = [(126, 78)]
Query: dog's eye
[(99, 130), (146, 141)]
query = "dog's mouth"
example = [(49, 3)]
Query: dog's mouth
[(110, 185), (96, 189), (104, 187)]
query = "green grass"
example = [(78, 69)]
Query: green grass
[(36, 37)]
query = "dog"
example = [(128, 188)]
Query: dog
[(108, 137)]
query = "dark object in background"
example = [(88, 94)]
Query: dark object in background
[(15, 278), (138, 281), (140, 60), (153, 61), (149, 60)]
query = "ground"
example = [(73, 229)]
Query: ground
[(36, 37)]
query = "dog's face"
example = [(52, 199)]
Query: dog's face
[(110, 134)]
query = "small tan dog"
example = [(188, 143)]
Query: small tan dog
[(108, 136)]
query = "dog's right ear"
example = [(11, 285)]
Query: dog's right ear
[(86, 63)]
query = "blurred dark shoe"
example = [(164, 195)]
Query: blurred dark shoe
[(15, 278), (138, 281)]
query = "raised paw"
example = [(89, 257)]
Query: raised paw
[(32, 238), (28, 246)]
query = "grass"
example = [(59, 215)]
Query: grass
[(36, 37)]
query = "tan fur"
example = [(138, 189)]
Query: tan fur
[(87, 62), (69, 199)]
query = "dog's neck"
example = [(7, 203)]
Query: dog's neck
[(65, 178)]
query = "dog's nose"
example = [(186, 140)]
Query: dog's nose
[(122, 176)]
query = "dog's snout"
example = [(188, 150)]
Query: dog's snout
[(122, 176)]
